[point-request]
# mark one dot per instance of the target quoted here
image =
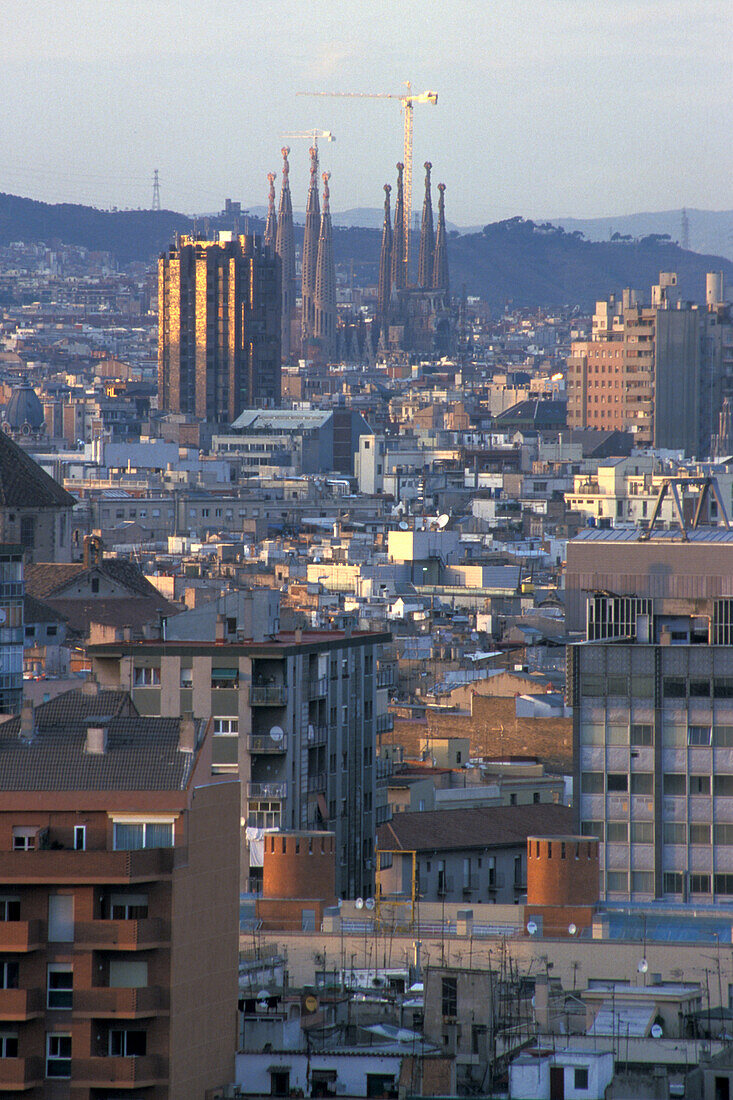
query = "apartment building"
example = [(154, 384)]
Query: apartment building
[(294, 716), (12, 636), (118, 904)]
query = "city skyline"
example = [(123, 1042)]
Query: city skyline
[(523, 126)]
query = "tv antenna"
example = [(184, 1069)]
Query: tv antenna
[(156, 191)]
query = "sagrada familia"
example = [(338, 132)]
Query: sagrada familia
[(408, 318)]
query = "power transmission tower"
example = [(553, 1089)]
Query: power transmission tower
[(156, 191), (685, 242)]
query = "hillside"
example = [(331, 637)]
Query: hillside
[(514, 260)]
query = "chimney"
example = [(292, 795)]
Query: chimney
[(187, 732), (298, 635), (221, 629), (27, 720), (90, 687), (96, 743)]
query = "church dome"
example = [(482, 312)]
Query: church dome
[(24, 408)]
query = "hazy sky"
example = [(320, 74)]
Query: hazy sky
[(546, 108)]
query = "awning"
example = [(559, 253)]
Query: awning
[(224, 673), (322, 806)]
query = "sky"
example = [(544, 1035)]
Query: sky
[(548, 108)]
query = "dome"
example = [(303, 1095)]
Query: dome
[(24, 408)]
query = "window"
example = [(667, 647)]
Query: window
[(592, 828), (617, 782), (699, 833), (723, 785), (226, 726), (700, 884), (618, 832), (642, 832), (9, 908), (699, 735), (467, 874), (580, 1077), (128, 906), (723, 884), (592, 782), (186, 677), (95, 584), (642, 882), (699, 784), (700, 689), (723, 688), (617, 882), (723, 834), (80, 838), (642, 783), (672, 882), (147, 676), (225, 677), (58, 1055), (674, 832), (9, 970), (124, 1043), (723, 737), (449, 996), (28, 532), (60, 985), (146, 834), (24, 838), (674, 687), (674, 783), (618, 685), (642, 735)]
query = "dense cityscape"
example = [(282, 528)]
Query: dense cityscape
[(366, 663)]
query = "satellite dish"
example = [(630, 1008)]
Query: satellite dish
[(311, 731), (443, 521), (657, 1032), (311, 1003), (359, 903), (369, 903), (572, 929), (276, 733), (263, 995), (643, 966), (404, 526), (532, 928)]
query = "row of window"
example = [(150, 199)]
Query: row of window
[(673, 832), (641, 686), (673, 783), (642, 734), (673, 882)]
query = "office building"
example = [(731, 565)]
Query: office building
[(294, 715), (219, 305), (118, 904), (652, 695)]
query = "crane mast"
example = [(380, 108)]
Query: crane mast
[(407, 102)]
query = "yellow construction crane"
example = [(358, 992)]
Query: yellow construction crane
[(407, 102), (312, 135)]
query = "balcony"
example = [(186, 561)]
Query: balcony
[(268, 695), (318, 689), (67, 866), (385, 677), (317, 783), (22, 935), (119, 1073), (121, 935), (20, 1073), (262, 742), (21, 1004), (385, 723), (130, 1004), (317, 735), (267, 790)]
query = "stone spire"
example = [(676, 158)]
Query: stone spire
[(285, 248), (384, 284), (271, 223), (324, 302), (310, 246), (427, 242), (441, 280), (399, 275)]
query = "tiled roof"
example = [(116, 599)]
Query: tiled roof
[(475, 828), (36, 611), (51, 578), (23, 484), (142, 753)]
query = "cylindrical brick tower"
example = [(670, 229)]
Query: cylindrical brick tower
[(299, 865), (562, 870)]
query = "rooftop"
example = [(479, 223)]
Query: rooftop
[(474, 828)]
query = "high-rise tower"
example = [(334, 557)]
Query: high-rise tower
[(271, 223), (324, 303), (310, 247), (399, 275), (441, 280), (427, 242), (218, 327), (384, 285), (285, 248)]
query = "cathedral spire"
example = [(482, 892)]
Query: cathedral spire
[(384, 284), (285, 248), (271, 223), (427, 243), (399, 275), (324, 302), (310, 245), (441, 279)]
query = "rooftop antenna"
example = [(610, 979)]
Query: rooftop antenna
[(156, 191)]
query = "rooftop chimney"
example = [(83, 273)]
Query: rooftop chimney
[(90, 687), (221, 629), (187, 732), (298, 635), (27, 720), (96, 743)]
